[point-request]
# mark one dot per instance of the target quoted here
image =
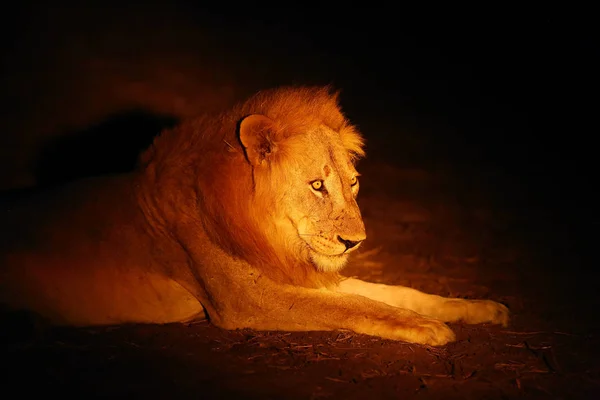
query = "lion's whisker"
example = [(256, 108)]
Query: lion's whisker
[(227, 143)]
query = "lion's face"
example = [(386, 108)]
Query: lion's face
[(320, 202), (313, 188)]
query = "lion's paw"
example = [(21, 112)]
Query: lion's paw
[(431, 332), (482, 311), (418, 329)]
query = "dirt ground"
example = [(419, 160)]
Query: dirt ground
[(425, 231)]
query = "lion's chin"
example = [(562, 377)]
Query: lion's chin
[(327, 263)]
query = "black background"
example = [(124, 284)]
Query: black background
[(494, 88)]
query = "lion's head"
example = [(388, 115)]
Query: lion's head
[(272, 181)]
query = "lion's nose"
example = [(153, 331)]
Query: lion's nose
[(349, 243)]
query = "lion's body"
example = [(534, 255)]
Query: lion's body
[(247, 216), (78, 266)]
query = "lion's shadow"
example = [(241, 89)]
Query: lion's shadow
[(109, 147)]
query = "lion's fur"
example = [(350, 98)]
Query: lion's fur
[(220, 181), (247, 216)]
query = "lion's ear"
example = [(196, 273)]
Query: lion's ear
[(257, 135)]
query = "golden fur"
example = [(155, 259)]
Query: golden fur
[(247, 216), (225, 215)]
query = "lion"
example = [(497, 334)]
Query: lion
[(246, 218)]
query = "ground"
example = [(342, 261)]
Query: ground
[(426, 229)]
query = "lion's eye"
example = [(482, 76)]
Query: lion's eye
[(317, 185), (354, 181)]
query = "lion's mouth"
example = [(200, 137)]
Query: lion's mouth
[(332, 256), (312, 250), (342, 254), (328, 262), (324, 261)]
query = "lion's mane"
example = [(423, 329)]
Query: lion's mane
[(197, 173)]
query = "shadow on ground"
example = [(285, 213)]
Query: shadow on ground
[(108, 147)]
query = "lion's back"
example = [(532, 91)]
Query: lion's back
[(65, 251)]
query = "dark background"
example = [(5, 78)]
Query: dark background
[(499, 99), (505, 93)]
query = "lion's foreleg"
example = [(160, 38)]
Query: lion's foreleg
[(236, 295), (245, 299), (288, 308), (433, 306)]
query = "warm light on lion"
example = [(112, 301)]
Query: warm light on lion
[(247, 217)]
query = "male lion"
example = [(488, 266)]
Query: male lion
[(246, 217)]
